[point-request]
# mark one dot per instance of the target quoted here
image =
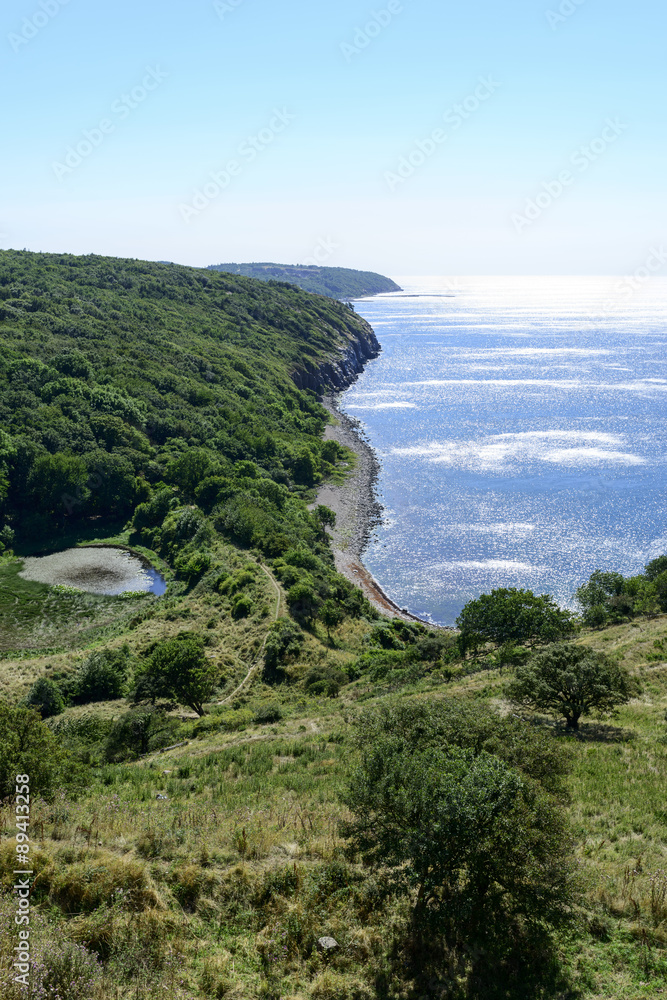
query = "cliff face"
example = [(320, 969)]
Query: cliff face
[(344, 367)]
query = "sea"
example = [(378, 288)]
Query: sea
[(521, 428)]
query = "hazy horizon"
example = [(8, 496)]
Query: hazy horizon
[(401, 137)]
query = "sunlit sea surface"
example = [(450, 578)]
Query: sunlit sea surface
[(521, 425)]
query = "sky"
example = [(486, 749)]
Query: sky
[(405, 136)]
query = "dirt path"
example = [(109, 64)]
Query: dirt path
[(253, 667)]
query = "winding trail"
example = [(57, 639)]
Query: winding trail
[(253, 666)]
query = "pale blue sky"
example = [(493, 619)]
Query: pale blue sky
[(326, 173)]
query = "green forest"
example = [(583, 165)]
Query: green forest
[(257, 787), (335, 282)]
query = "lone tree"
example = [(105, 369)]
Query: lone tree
[(571, 681), (331, 615), (27, 746), (180, 669), (509, 615), (479, 846), (46, 697), (326, 518)]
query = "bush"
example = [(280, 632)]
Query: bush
[(139, 732), (83, 736), (324, 681), (283, 643), (266, 714), (103, 676), (303, 601), (46, 697), (482, 851), (27, 746), (242, 607)]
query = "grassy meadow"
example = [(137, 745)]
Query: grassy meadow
[(210, 870)]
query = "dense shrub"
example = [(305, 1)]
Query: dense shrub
[(242, 607), (27, 746), (139, 732), (46, 697), (270, 712), (325, 680), (283, 644), (478, 844), (103, 676)]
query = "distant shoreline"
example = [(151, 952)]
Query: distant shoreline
[(357, 510)]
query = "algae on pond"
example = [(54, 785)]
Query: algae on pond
[(101, 570), (35, 617)]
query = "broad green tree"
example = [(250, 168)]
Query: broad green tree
[(331, 615), (477, 845), (516, 616), (27, 746), (571, 681), (58, 484), (179, 668)]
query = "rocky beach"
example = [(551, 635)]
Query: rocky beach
[(357, 509)]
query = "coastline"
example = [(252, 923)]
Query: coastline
[(357, 510)]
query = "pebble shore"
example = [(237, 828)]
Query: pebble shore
[(357, 509)]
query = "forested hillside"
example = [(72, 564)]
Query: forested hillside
[(335, 282), (117, 376)]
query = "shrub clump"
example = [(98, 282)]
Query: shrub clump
[(46, 697)]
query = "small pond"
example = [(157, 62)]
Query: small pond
[(103, 571)]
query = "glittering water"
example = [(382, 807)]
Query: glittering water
[(104, 571), (522, 429)]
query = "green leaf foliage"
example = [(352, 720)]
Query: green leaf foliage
[(478, 843), (512, 615), (27, 746), (46, 697), (133, 391), (179, 668), (571, 681)]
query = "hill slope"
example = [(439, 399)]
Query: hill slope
[(335, 282), (158, 407), (124, 365)]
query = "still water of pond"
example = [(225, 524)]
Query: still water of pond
[(103, 571)]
